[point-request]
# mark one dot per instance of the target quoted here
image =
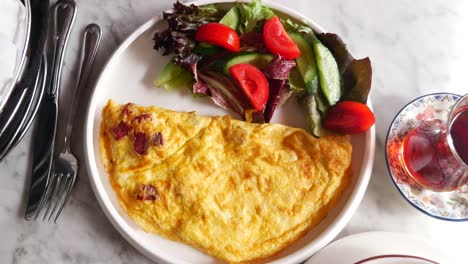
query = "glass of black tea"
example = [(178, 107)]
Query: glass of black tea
[(435, 152)]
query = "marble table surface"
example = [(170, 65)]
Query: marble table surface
[(416, 47)]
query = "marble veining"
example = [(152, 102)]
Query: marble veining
[(416, 47)]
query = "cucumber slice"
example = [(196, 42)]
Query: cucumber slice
[(306, 63), (169, 72), (204, 48), (231, 18), (183, 80), (259, 60), (329, 75)]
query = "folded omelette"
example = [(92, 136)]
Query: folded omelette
[(236, 190)]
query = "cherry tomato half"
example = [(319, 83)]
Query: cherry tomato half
[(277, 40), (219, 35), (253, 82), (349, 117)]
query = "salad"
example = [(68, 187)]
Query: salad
[(250, 59)]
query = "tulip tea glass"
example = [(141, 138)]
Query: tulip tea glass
[(434, 153)]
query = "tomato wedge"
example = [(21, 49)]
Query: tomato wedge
[(253, 83), (277, 40), (349, 117), (219, 35)]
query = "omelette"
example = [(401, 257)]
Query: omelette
[(238, 191)]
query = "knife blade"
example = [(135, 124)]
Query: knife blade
[(39, 30), (63, 17)]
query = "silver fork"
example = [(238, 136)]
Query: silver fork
[(65, 164)]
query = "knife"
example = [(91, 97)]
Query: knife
[(63, 17)]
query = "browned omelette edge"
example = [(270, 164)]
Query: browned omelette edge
[(323, 214), (323, 211)]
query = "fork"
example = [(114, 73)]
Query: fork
[(65, 163)]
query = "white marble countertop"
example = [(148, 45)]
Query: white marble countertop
[(416, 47)]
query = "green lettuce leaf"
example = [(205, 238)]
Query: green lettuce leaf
[(296, 83), (290, 25), (252, 15), (314, 118)]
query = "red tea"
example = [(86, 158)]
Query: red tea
[(427, 158), (459, 133)]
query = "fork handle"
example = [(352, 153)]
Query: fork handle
[(90, 46)]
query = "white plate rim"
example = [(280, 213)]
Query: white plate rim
[(111, 213), (383, 236)]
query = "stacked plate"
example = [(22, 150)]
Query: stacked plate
[(23, 71)]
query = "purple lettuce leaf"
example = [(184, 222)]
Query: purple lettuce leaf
[(188, 18), (224, 92), (279, 68), (252, 41), (183, 22), (200, 88), (277, 72), (277, 88)]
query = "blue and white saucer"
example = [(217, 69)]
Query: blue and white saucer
[(451, 206)]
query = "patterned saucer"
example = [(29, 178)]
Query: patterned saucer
[(450, 206)]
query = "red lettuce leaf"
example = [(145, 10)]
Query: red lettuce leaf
[(358, 79)]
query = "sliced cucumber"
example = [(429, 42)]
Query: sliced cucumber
[(306, 63), (183, 80), (231, 18), (169, 72), (204, 48), (259, 60), (329, 75)]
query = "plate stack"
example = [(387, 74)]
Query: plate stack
[(22, 67)]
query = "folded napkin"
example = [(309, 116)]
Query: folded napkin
[(13, 26)]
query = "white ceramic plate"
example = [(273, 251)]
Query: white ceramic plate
[(379, 248), (128, 77), (15, 18)]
